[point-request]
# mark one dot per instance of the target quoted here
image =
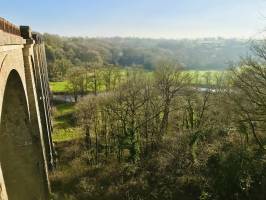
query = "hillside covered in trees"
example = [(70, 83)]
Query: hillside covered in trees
[(198, 54), (158, 135)]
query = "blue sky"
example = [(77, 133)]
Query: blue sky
[(140, 18)]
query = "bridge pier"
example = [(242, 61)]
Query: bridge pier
[(26, 148), (3, 194)]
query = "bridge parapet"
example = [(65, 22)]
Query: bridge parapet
[(9, 34), (8, 27)]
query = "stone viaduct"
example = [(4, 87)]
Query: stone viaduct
[(26, 148)]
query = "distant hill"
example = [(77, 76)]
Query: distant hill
[(197, 54)]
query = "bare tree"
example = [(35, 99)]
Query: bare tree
[(86, 112), (76, 79), (249, 93), (170, 81)]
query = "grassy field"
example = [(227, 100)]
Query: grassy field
[(62, 87), (59, 86), (197, 77), (64, 123), (200, 77)]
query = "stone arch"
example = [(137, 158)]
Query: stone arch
[(19, 162)]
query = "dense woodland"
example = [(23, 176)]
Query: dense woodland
[(200, 54), (159, 134)]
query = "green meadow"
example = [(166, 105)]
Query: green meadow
[(64, 123), (198, 77)]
